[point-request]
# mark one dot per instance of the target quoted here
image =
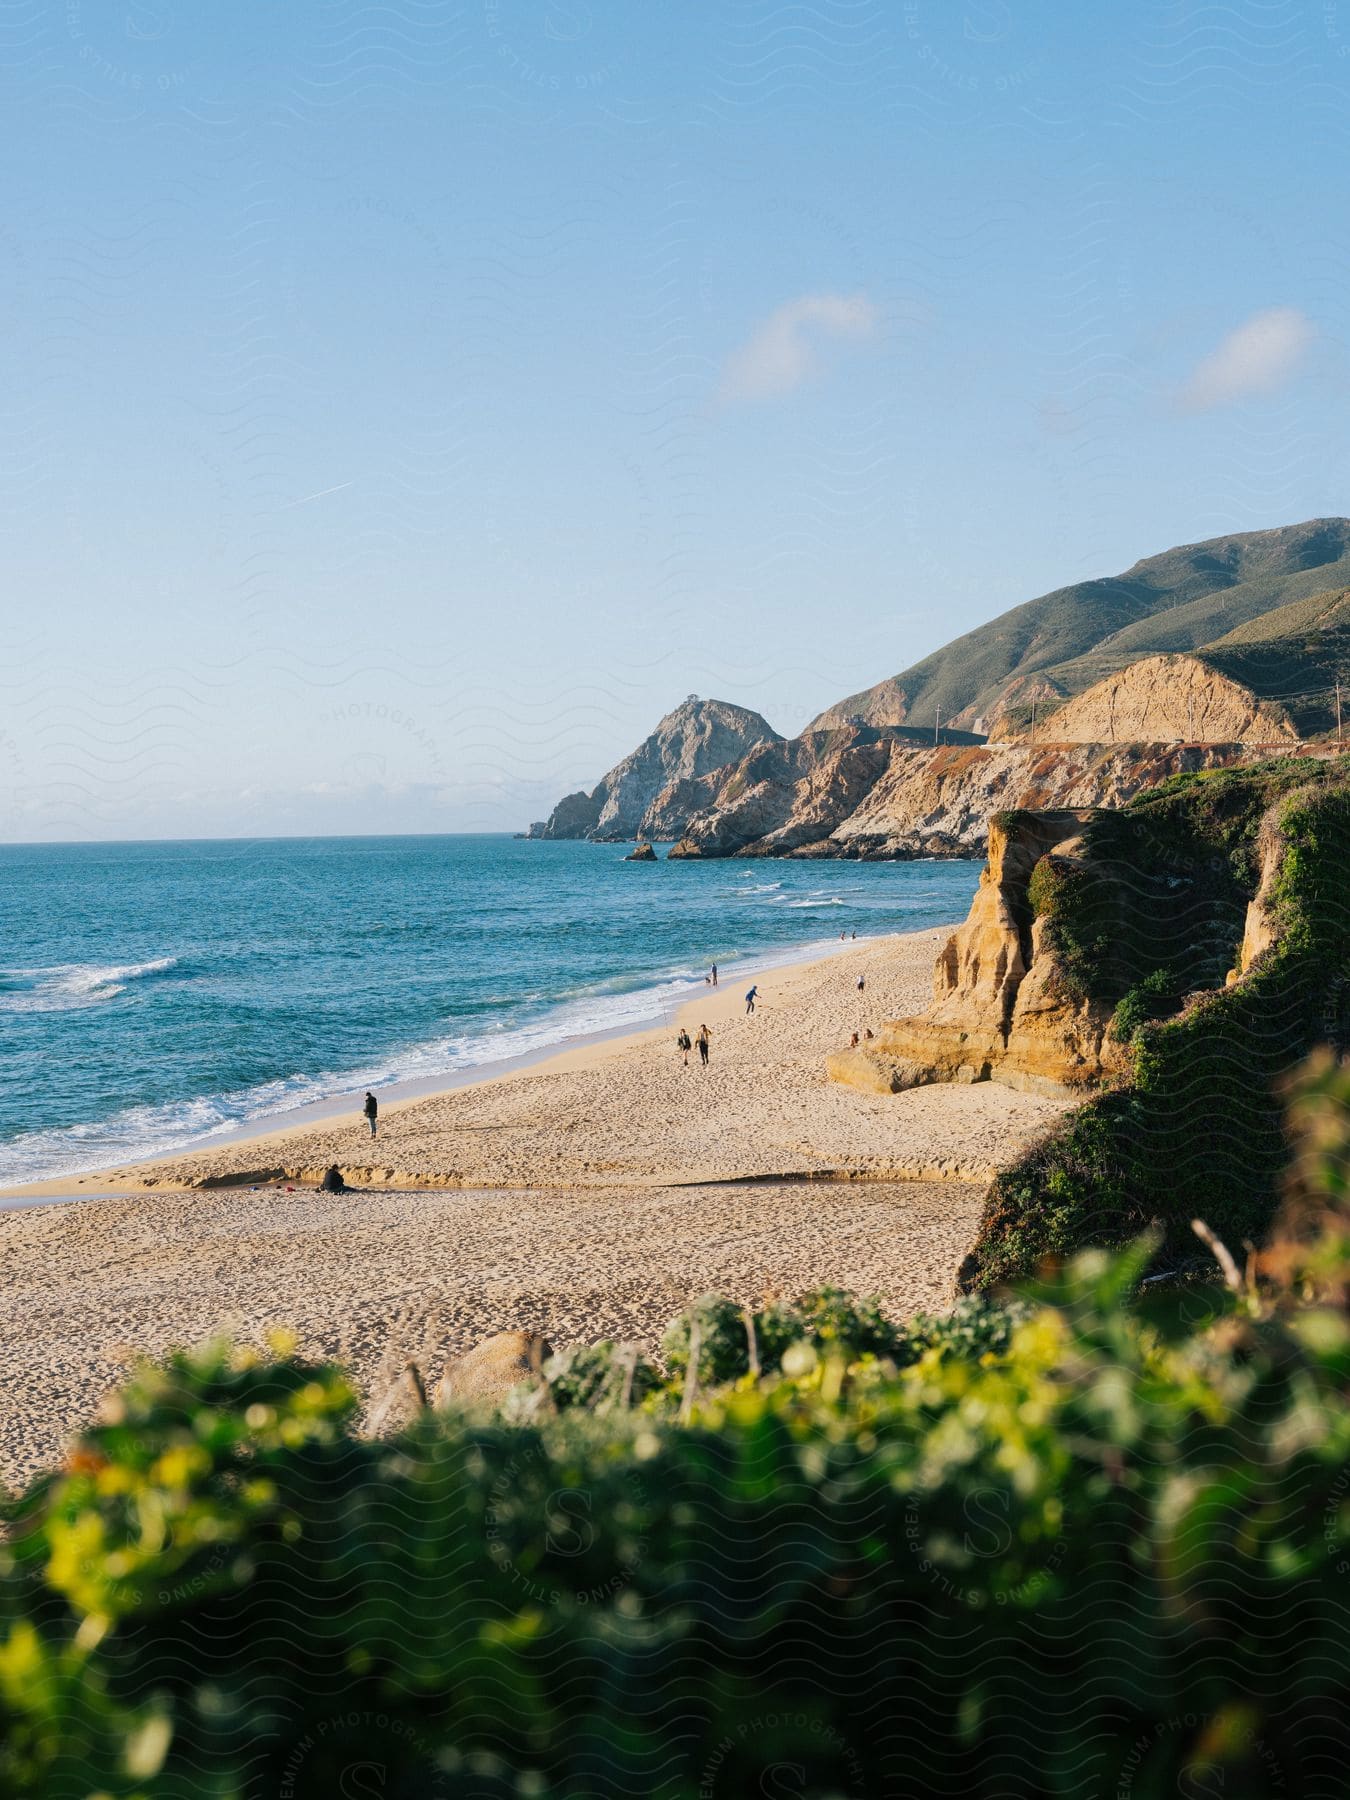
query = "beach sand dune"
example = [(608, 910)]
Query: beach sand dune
[(590, 1196)]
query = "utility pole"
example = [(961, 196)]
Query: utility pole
[(1338, 712), (937, 719), (1033, 721)]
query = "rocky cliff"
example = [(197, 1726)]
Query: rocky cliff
[(859, 792), (698, 737), (1163, 699), (1002, 1008), (885, 704)]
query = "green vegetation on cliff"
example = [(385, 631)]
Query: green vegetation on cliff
[(1149, 921), (1094, 1546)]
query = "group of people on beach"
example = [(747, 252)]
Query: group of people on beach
[(703, 1040)]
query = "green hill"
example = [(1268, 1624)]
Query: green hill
[(1296, 655), (1064, 641), (1199, 623)]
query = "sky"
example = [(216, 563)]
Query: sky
[(406, 404)]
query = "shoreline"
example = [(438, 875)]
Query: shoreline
[(664, 1015), (593, 1194), (620, 1108)]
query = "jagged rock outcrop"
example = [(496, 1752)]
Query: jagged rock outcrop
[(575, 816), (858, 792), (697, 738), (1001, 1008), (1159, 700), (780, 797)]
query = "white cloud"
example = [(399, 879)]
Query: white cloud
[(781, 353), (1256, 358)]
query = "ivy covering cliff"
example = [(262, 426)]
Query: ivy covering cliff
[(1149, 920)]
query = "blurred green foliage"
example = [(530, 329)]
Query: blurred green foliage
[(1095, 1545)]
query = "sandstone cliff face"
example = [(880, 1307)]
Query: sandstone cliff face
[(858, 793), (1261, 927), (1000, 1008), (697, 738), (1165, 699)]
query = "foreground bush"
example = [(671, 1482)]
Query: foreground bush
[(1104, 1556)]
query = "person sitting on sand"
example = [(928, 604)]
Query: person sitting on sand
[(861, 984), (372, 1111), (684, 1043), (750, 999), (704, 1039), (853, 1042)]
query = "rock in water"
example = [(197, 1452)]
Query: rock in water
[(488, 1372), (643, 853), (332, 1182)]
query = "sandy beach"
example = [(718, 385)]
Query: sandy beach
[(589, 1195)]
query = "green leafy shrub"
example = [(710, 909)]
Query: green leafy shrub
[(1100, 1555), (1155, 997), (723, 1341), (834, 1324), (598, 1377)]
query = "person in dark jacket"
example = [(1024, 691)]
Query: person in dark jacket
[(372, 1111)]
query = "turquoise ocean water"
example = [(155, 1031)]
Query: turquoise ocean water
[(151, 994)]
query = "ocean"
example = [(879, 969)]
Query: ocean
[(154, 994)]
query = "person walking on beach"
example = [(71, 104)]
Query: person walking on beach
[(684, 1043), (714, 974), (704, 1039), (750, 1000), (372, 1111)]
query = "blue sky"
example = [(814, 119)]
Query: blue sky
[(406, 404)]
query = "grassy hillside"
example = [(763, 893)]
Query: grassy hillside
[(1295, 654), (1199, 623), (1032, 644)]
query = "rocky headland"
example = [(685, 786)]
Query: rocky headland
[(1207, 656), (693, 740), (864, 793)]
